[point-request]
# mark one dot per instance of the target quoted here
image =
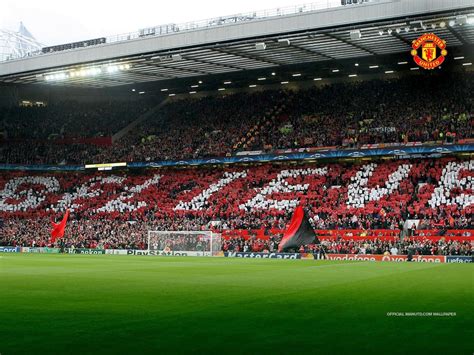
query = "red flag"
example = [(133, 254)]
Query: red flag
[(58, 228)]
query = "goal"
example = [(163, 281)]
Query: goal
[(191, 243)]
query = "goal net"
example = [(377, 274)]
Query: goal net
[(191, 243)]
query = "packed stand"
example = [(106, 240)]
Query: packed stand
[(344, 115), (188, 128), (67, 132), (118, 208), (94, 234), (396, 111), (111, 234), (361, 247), (191, 128), (69, 119)]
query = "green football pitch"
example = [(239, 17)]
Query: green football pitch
[(110, 304)]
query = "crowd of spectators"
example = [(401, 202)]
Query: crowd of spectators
[(95, 234), (121, 209), (188, 128), (48, 152), (341, 115), (63, 133), (191, 128), (112, 234), (341, 195), (370, 112), (117, 210), (365, 246), (69, 119)]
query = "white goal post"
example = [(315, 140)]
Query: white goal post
[(191, 243)]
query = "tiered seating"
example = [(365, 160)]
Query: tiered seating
[(65, 132), (339, 115), (190, 128), (70, 119), (266, 122), (322, 234), (356, 246), (444, 234), (358, 234), (368, 201), (371, 112)]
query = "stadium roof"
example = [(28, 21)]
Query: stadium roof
[(370, 30), (17, 43)]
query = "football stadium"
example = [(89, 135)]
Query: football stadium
[(291, 180)]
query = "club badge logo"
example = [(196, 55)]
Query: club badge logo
[(429, 44)]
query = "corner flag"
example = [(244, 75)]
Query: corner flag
[(300, 232)]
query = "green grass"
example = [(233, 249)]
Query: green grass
[(110, 304)]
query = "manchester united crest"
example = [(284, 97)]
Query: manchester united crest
[(431, 45)]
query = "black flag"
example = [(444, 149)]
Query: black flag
[(300, 232)]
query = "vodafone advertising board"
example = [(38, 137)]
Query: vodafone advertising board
[(396, 258)]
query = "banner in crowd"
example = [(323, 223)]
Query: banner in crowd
[(8, 249), (250, 255), (396, 258), (116, 251), (459, 259), (332, 154), (41, 167), (41, 250), (324, 154), (253, 255), (84, 251), (167, 253), (249, 152)]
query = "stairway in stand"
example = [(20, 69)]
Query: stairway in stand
[(248, 141)]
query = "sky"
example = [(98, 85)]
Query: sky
[(61, 21)]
